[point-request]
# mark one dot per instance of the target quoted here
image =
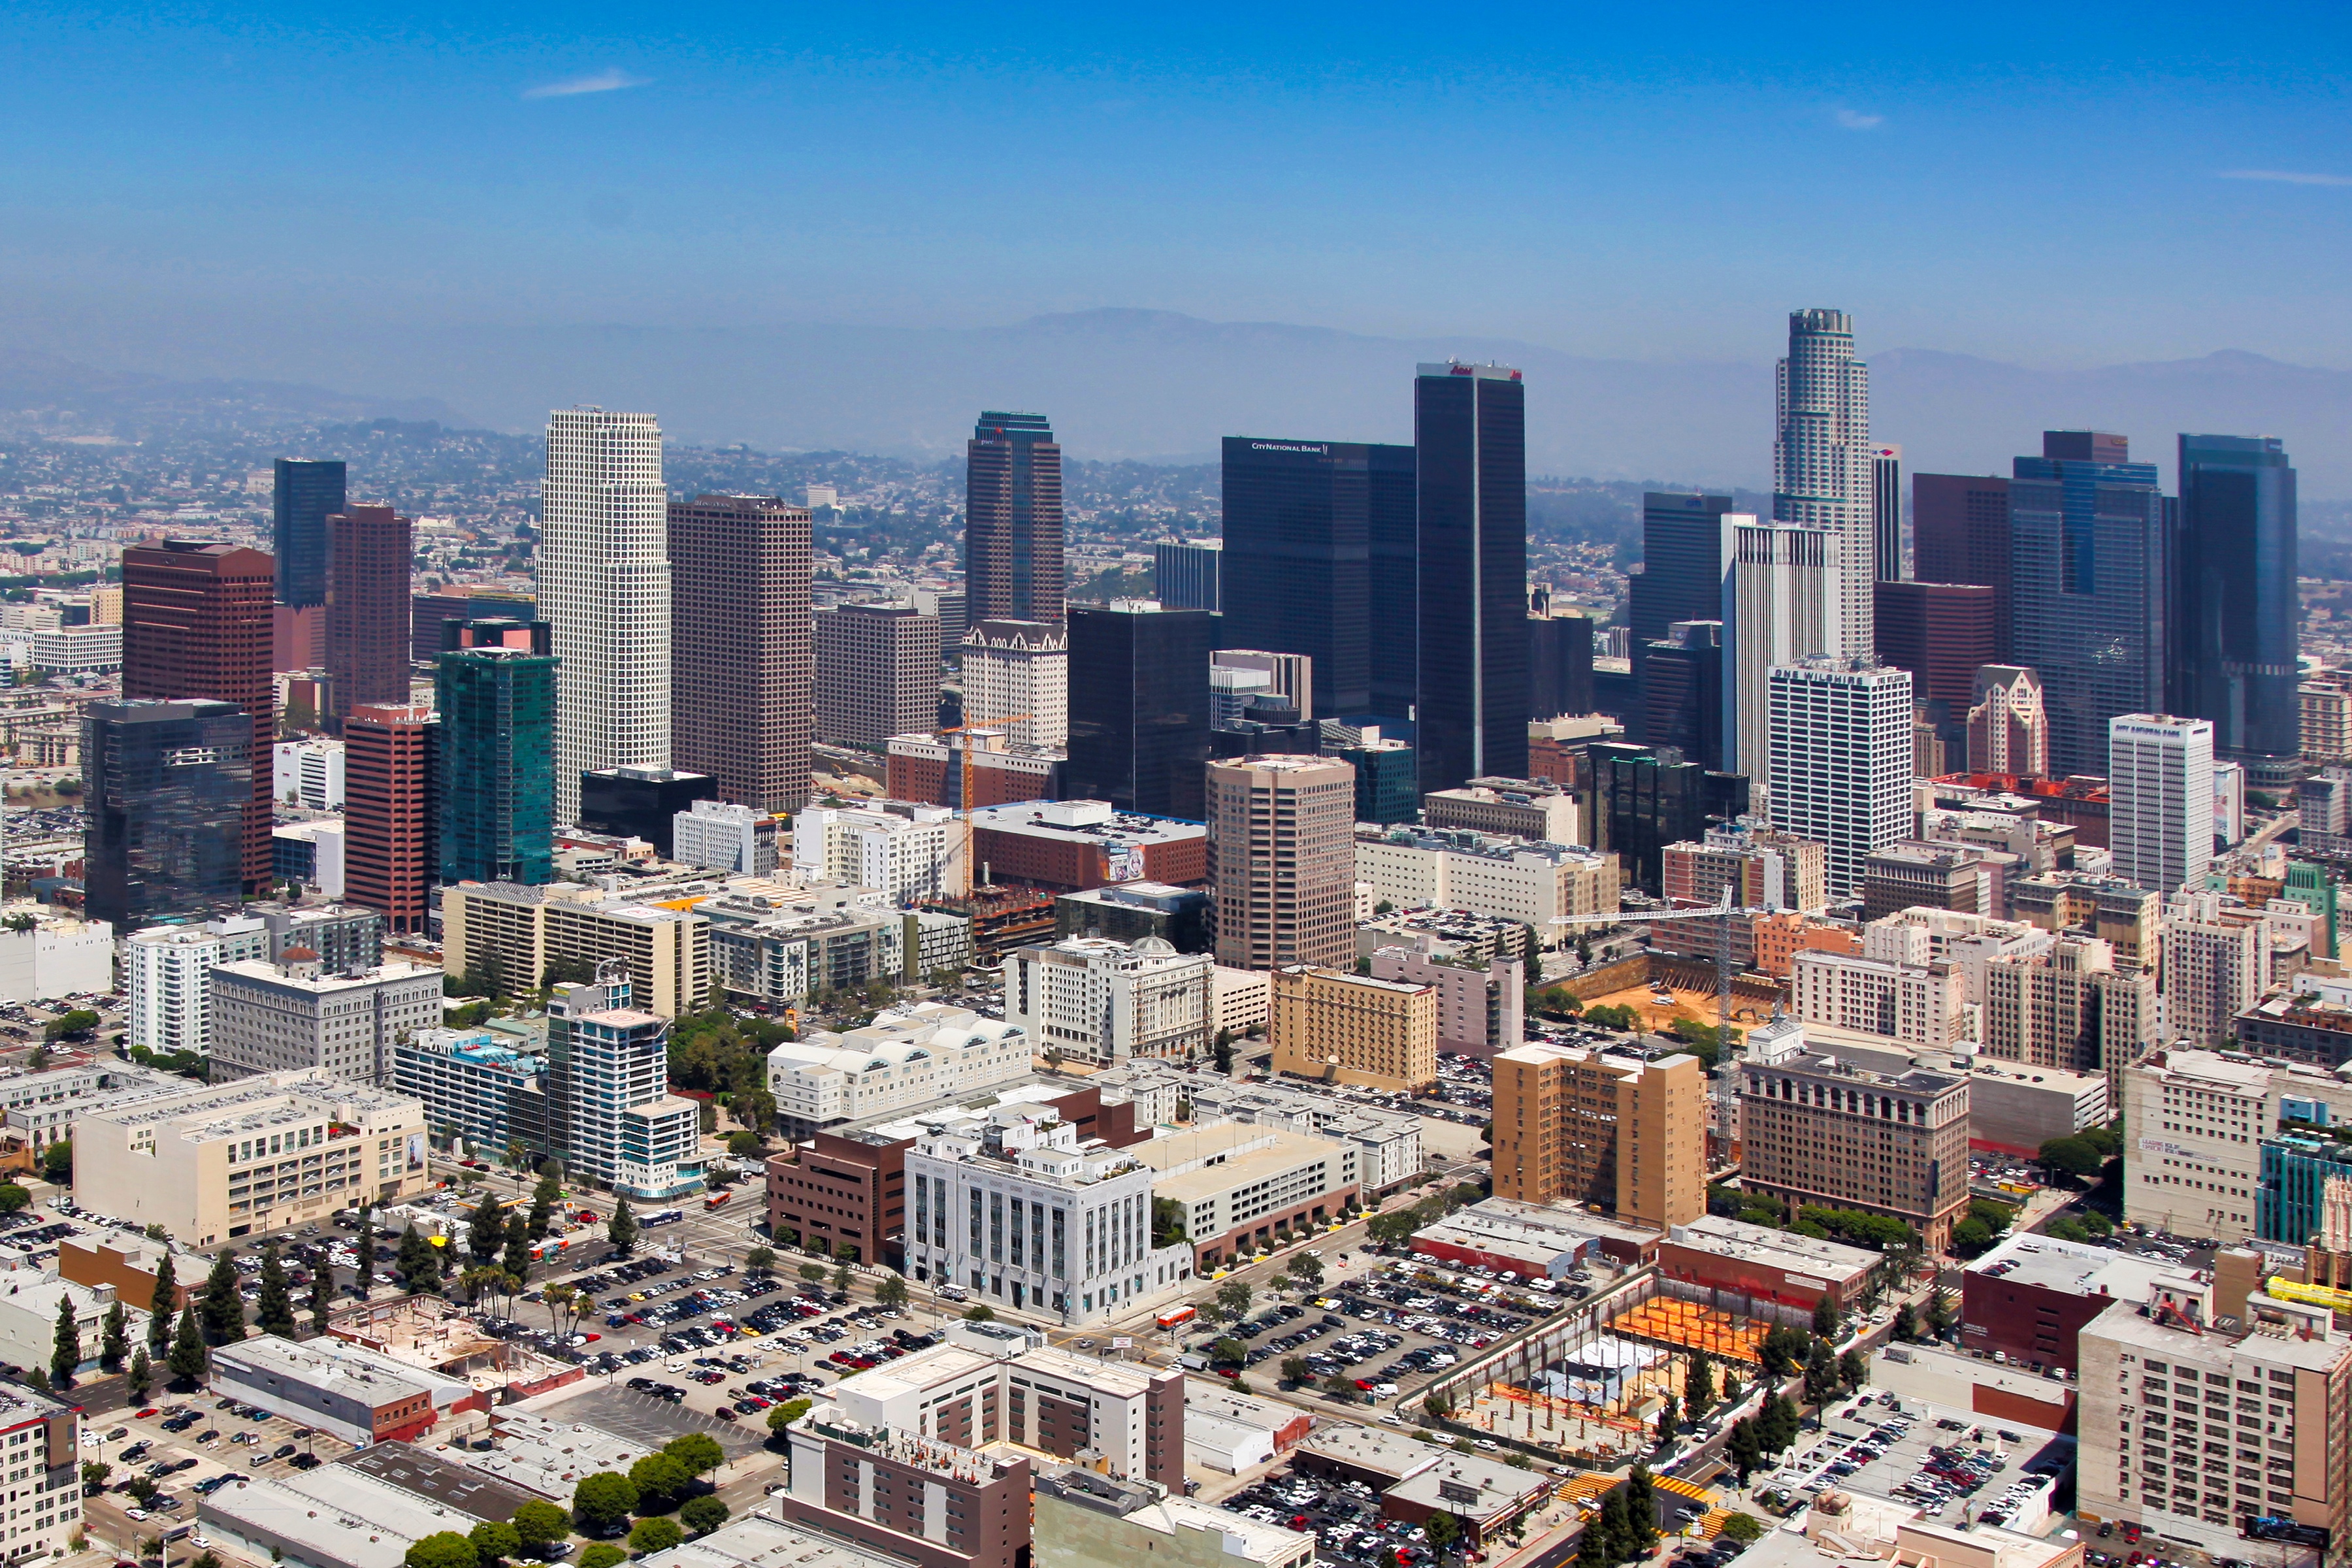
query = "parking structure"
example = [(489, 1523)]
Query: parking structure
[(1952, 1465), (189, 1448)]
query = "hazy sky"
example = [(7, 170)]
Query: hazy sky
[(2054, 183)]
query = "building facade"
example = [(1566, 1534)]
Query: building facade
[(1470, 442), (2234, 619), (2009, 730), (369, 552), (1013, 566), (1622, 1128), (742, 654), (1823, 470), (170, 795), (1335, 1027), (878, 673), (1840, 760), (497, 693), (392, 820), (1281, 860), (2160, 800), (293, 1016), (306, 492), (1016, 679), (1140, 707), (1781, 603), (1816, 1130), (1101, 1000)]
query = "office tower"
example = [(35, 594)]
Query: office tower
[(2009, 732), (1266, 723), (1764, 868), (308, 491), (1385, 777), (1012, 520), (1942, 633), (2214, 968), (1806, 1119), (1644, 798), (171, 789), (392, 812), (1887, 512), (1823, 471), (1289, 676), (2087, 586), (2160, 800), (950, 608), (495, 690), (1559, 664), (1140, 707), (641, 803), (1780, 605), (2068, 1006), (428, 610), (1959, 533), (877, 674), (367, 609), (1281, 860), (1395, 591), (605, 585), (1622, 1128), (1102, 1001), (1686, 545), (1187, 575), (743, 665), (1016, 679), (196, 625), (1232, 688), (1470, 434), (1682, 691), (1297, 547), (1840, 759), (2233, 625)]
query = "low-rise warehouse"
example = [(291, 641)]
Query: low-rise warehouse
[(1759, 1262), (355, 1394)]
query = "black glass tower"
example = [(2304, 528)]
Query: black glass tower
[(309, 491), (2234, 615), (1682, 691), (169, 787), (1642, 798), (1140, 708), (1298, 553), (1471, 491), (1560, 665), (1682, 560)]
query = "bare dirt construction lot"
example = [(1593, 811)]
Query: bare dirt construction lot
[(1698, 1008)]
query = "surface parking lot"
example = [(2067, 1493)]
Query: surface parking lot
[(192, 1446), (1958, 1468)]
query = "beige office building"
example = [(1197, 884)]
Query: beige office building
[(1623, 1130), (1281, 860), (2069, 1007), (1817, 1130), (667, 950), (1340, 1027)]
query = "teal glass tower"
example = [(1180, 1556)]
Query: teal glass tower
[(495, 688)]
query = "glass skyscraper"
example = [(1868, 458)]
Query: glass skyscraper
[(1140, 708), (1470, 434), (308, 491), (495, 690), (2234, 614), (169, 785), (2087, 529)]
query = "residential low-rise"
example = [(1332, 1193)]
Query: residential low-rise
[(40, 1435), (479, 1087)]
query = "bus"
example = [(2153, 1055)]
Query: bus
[(662, 1216), (717, 1200), (1175, 1317)]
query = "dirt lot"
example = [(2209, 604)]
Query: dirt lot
[(1697, 1007)]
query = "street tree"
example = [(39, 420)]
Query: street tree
[(115, 1343), (221, 1307), (189, 1358), (622, 1232), (486, 1231), (64, 1349)]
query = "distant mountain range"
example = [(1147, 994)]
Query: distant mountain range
[(1155, 385)]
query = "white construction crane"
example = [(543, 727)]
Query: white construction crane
[(1720, 911)]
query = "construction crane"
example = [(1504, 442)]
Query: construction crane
[(963, 796), (1721, 912)]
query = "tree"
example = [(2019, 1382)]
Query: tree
[(1853, 1371), (602, 1556), (75, 1021), (742, 1143), (64, 1349), (114, 1342), (14, 1199), (812, 1272), (1224, 1051), (564, 1305), (698, 1452), (1907, 1323), (189, 1358), (655, 1535), (1229, 1349), (841, 1272), (1820, 1373), (93, 1476), (363, 1244), (442, 1549), (602, 1503), (1616, 1528), (162, 1305), (141, 1376), (623, 1230), (1233, 1300), (891, 1292), (759, 1260), (1826, 1321), (1336, 1383), (1592, 1546), (661, 1481), (1444, 1530), (56, 1162), (1939, 1313), (782, 1415), (539, 1525), (220, 1308), (703, 1514), (2074, 1156), (982, 1313), (515, 1259), (1743, 1526), (1698, 1383), (1307, 1269), (1294, 1370), (543, 1199), (486, 1231), (1734, 1391), (1741, 1448), (1669, 1419), (417, 1264), (273, 1307), (1640, 1510), (494, 1542)]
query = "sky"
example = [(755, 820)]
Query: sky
[(2054, 185)]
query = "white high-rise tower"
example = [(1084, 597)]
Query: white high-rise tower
[(1779, 604), (1824, 466), (2160, 800), (603, 586), (1840, 759)]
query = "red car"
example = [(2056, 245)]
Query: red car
[(150, 1410)]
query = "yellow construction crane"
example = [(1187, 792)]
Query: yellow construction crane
[(965, 730)]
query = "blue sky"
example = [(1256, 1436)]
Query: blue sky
[(2058, 185)]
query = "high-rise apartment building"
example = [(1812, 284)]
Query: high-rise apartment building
[(1823, 471), (1189, 573), (307, 492), (171, 788), (605, 585), (742, 650), (392, 813), (167, 973), (1016, 679), (2160, 799), (2009, 729), (1622, 1128), (1470, 437), (495, 694), (1300, 517), (1335, 1027), (877, 674), (1140, 707), (1013, 567), (196, 625), (2324, 705), (608, 1081), (1815, 1129), (1282, 862), (2087, 544), (2233, 620), (1959, 533), (1780, 605), (1887, 512), (1840, 760), (369, 551), (2068, 1007)]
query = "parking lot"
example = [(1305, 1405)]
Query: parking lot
[(1344, 1517), (185, 1448), (1956, 1466)]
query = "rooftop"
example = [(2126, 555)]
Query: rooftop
[(760, 1541), (1775, 1249), (2128, 1324), (1052, 819), (1371, 1448), (1170, 1516), (1471, 1487), (2074, 1270), (1120, 1379), (550, 1457), (435, 1480)]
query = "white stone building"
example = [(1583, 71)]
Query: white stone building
[(1840, 758), (1887, 990), (906, 851), (926, 1055), (1016, 679), (59, 954), (724, 836), (168, 970), (289, 1015), (1098, 1000)]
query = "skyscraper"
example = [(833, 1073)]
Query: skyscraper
[(1685, 546), (605, 585), (1942, 633), (2009, 732), (1186, 573), (1682, 691), (496, 688), (2234, 616), (1281, 860), (1470, 438), (1823, 471), (369, 551), (878, 673), (1959, 533), (196, 625), (1297, 548), (2087, 587), (308, 491), (1012, 520), (2160, 800), (392, 813), (1840, 759), (1559, 663), (171, 785), (1781, 603), (1139, 708), (1887, 512), (742, 646), (1016, 679)]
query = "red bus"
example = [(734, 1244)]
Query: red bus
[(1174, 1316)]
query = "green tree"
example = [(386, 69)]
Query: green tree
[(539, 1524), (1307, 1269), (162, 1305), (417, 1264), (1734, 1391), (14, 1199), (494, 1542), (516, 1260), (486, 1230), (1225, 1050), (93, 1476), (1826, 1321), (1820, 1373), (273, 1306), (142, 1376), (189, 1358), (782, 1415), (220, 1305), (602, 1503), (1640, 1510), (1296, 1372), (812, 1272), (65, 1349), (602, 1556), (698, 1452), (1853, 1371), (759, 1260), (655, 1535), (56, 1162), (1616, 1526), (543, 1199), (623, 1230), (1230, 1350), (442, 1549), (1698, 1385), (1939, 1313), (1743, 1526), (75, 1021), (363, 1244), (841, 1271), (2074, 1156), (982, 1313), (1669, 1419), (1907, 1323), (115, 1340), (1233, 1300), (323, 1295), (1592, 1546), (1742, 1448), (702, 1515), (1444, 1530)]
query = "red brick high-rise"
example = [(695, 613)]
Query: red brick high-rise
[(391, 812), (196, 623), (369, 549), (742, 661)]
